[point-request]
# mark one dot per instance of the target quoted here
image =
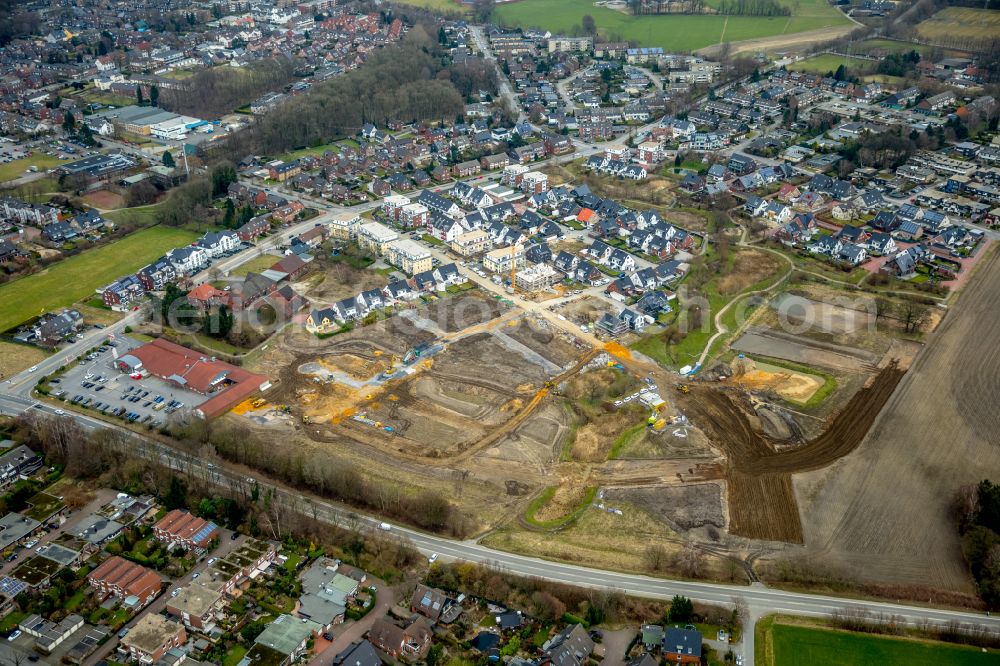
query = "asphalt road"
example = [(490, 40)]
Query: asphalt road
[(760, 599)]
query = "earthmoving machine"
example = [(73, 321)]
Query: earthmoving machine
[(683, 388)]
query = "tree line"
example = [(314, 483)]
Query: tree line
[(976, 509), (118, 459), (214, 92), (753, 8)]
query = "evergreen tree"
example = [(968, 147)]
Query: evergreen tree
[(168, 160), (229, 221), (69, 122), (154, 96), (138, 96)]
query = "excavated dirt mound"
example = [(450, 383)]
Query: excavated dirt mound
[(761, 500)]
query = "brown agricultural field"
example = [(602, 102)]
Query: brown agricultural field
[(882, 513)]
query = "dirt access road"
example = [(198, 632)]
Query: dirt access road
[(883, 511)]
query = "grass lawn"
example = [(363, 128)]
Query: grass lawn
[(301, 152), (74, 279), (954, 24), (142, 216), (14, 358), (17, 168), (74, 601), (255, 265), (672, 32), (827, 62), (791, 642), (292, 562), (11, 620), (432, 240), (234, 656), (179, 74)]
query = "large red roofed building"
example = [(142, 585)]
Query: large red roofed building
[(184, 530), (225, 384), (119, 578)]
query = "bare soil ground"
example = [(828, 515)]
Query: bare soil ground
[(464, 310), (881, 513), (532, 446), (104, 200), (749, 268), (680, 507), (540, 337), (826, 317), (799, 349), (472, 354), (789, 384), (337, 282), (583, 310)]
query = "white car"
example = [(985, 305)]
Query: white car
[(195, 575), (212, 560), (433, 558), (60, 412), (14, 636), (175, 592), (31, 369)]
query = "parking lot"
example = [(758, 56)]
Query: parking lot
[(96, 384)]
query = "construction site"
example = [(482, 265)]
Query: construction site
[(552, 440)]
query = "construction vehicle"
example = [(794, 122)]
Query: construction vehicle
[(683, 388)]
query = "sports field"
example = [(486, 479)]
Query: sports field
[(76, 278), (673, 33), (953, 24), (783, 642)]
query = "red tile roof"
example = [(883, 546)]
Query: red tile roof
[(200, 373)]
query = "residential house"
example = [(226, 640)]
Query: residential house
[(409, 642), (572, 646), (218, 243), (429, 602), (124, 580), (180, 529), (123, 292), (682, 646), (187, 260), (157, 275), (408, 255), (375, 237), (254, 229), (151, 637), (471, 243)]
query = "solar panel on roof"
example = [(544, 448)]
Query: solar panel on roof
[(204, 532), (11, 587)]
